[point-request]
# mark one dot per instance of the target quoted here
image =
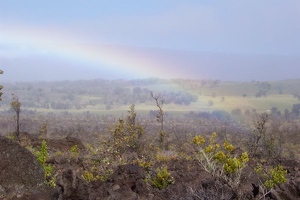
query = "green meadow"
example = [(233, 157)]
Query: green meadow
[(114, 97)]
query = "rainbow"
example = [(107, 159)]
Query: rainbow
[(62, 45)]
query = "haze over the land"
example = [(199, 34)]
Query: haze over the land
[(73, 39)]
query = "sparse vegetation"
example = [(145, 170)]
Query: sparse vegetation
[(16, 107), (271, 177), (162, 179), (122, 149), (219, 159), (42, 156), (160, 118)]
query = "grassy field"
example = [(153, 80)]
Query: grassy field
[(221, 96), (262, 104)]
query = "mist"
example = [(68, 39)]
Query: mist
[(191, 65)]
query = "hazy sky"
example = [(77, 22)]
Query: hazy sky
[(139, 38)]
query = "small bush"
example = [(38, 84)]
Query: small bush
[(163, 178), (74, 150), (218, 159), (271, 177), (42, 156)]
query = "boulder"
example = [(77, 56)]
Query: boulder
[(21, 175)]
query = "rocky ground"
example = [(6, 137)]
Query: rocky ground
[(21, 177)]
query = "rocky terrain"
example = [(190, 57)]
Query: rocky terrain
[(22, 177)]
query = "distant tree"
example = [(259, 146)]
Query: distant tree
[(264, 87), (16, 106), (286, 112), (247, 113), (274, 110), (236, 111), (203, 82), (215, 83), (160, 118), (137, 90), (210, 103), (43, 130), (108, 106), (261, 93), (222, 99), (296, 109), (259, 133), (131, 116)]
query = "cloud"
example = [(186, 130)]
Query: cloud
[(246, 27)]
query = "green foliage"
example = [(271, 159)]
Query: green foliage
[(43, 130), (277, 176), (94, 174), (42, 156), (126, 137), (218, 160), (165, 156), (273, 176), (15, 104), (198, 140), (144, 164), (98, 163), (163, 178), (74, 150), (126, 134), (88, 176)]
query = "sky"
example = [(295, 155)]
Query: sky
[(87, 39)]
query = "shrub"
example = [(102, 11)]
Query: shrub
[(74, 150), (218, 159), (126, 134), (42, 156), (163, 178), (98, 163), (271, 177)]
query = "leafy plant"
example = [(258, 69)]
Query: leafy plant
[(273, 176), (126, 134), (43, 130), (75, 151), (88, 176), (218, 159), (15, 105), (42, 156), (98, 164), (163, 178)]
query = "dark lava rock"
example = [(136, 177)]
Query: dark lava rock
[(127, 183), (72, 187), (21, 176)]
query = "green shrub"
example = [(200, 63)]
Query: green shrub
[(98, 163), (75, 151), (163, 178), (42, 156), (218, 160), (273, 176)]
